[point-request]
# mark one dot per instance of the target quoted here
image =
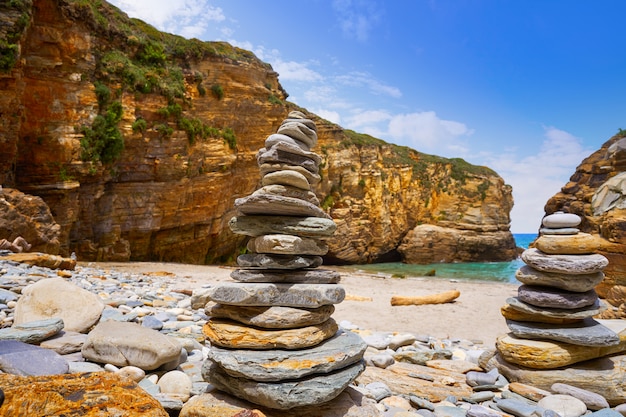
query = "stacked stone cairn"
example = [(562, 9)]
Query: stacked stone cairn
[(551, 319), (273, 341)]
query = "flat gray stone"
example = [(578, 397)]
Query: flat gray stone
[(302, 276), (289, 191), (284, 262), (555, 298), (287, 245), (559, 220), (563, 231), (34, 331), (124, 344), (268, 168), (563, 405), (271, 294), (567, 264), (20, 358), (298, 130), (315, 227), (587, 332), (6, 296), (274, 317), (286, 177), (290, 154), (65, 342), (342, 350), (518, 408), (576, 283), (276, 138), (561, 313), (592, 400), (285, 395), (277, 205)]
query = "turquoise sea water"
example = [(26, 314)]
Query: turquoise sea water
[(477, 271)]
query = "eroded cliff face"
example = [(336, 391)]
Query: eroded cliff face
[(597, 193), (140, 142)]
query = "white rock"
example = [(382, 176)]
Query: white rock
[(564, 405), (176, 383)]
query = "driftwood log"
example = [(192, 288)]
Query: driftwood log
[(440, 298)]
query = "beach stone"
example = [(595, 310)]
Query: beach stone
[(290, 154), (587, 332), (289, 191), (276, 138), (299, 131), (316, 227), (32, 332), (518, 408), (578, 244), (564, 405), (512, 314), (569, 264), (568, 282), (123, 344), (578, 313), (272, 317), (341, 350), (175, 384), (302, 276), (606, 412), (288, 177), (381, 360), (476, 410), (555, 298), (449, 411), (402, 339), (544, 354), (285, 395), (269, 294), (559, 220), (273, 204), (131, 372), (7, 296), (476, 378), (230, 334), (455, 365), (285, 262), (65, 342), (87, 395), (268, 168), (591, 400), (43, 260), (57, 297), (562, 231), (152, 322), (20, 358), (528, 391), (287, 245), (422, 357), (378, 390)]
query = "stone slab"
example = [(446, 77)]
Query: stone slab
[(34, 331), (279, 244), (341, 350), (587, 332), (274, 139), (20, 358), (562, 231), (285, 395), (276, 294), (567, 264), (300, 131), (283, 262), (578, 244), (315, 227), (290, 154), (555, 298), (234, 335), (579, 313), (287, 177), (274, 317), (301, 276), (273, 204), (510, 313), (267, 168), (289, 191), (577, 283)]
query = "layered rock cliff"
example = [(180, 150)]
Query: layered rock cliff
[(597, 193), (140, 141)]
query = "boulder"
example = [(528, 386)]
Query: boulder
[(23, 359)]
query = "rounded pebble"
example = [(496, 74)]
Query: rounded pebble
[(132, 372), (176, 383), (564, 405)]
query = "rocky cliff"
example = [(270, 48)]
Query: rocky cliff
[(140, 141), (597, 193)]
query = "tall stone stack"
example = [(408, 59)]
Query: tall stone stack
[(551, 319), (273, 340)]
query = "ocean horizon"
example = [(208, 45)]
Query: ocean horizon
[(470, 271)]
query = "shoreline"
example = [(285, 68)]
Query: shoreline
[(473, 316)]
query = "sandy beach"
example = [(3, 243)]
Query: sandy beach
[(474, 315)]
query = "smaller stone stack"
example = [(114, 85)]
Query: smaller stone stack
[(551, 319), (273, 341)]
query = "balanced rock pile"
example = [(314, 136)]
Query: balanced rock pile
[(273, 340), (551, 319)]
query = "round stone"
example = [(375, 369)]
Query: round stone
[(176, 383), (567, 264), (286, 177), (564, 405), (559, 220)]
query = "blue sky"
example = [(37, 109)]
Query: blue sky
[(527, 87)]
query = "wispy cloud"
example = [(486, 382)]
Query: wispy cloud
[(188, 18), (363, 79), (357, 18)]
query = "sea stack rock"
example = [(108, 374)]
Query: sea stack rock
[(273, 340), (556, 303)]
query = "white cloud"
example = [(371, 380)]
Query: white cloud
[(330, 115), (295, 71), (357, 18), (367, 118), (363, 79)]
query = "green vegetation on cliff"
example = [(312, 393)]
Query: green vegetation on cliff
[(15, 17)]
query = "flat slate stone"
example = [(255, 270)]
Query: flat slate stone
[(34, 331), (276, 138), (20, 358), (300, 276), (271, 294), (289, 191), (555, 298), (563, 231), (568, 264), (283, 262), (286, 395), (277, 205), (315, 227), (341, 350), (587, 332), (234, 335), (592, 400), (290, 154), (576, 283), (578, 244), (579, 313), (299, 131), (287, 245), (274, 317), (510, 313), (268, 168), (287, 177), (559, 219)]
